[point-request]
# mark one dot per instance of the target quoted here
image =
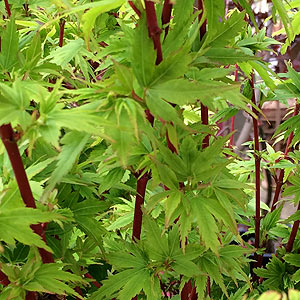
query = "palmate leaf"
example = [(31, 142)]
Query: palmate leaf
[(279, 7), (89, 18), (224, 56), (249, 11), (183, 92), (215, 13), (290, 125), (129, 281), (209, 265), (172, 67), (50, 278), (92, 228), (273, 273), (223, 33), (73, 144), (63, 55), (14, 100), (294, 259), (182, 20), (156, 242), (15, 224), (9, 46), (207, 226), (142, 54)]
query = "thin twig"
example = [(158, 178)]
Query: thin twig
[(137, 11), (257, 170), (279, 181), (290, 243), (61, 32), (166, 15), (7, 137)]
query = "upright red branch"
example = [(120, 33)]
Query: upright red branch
[(153, 29), (290, 243), (62, 23), (204, 109), (139, 202), (279, 180), (257, 170), (203, 26), (7, 7), (166, 15), (137, 11), (7, 137), (233, 117)]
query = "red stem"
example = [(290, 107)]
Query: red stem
[(208, 287), (61, 31), (153, 29), (7, 7), (257, 170), (79, 291), (204, 120), (166, 15), (138, 214), (4, 279), (233, 117), (290, 243), (170, 145), (204, 109), (139, 201), (203, 26), (137, 11), (279, 181), (31, 296), (7, 137), (94, 282)]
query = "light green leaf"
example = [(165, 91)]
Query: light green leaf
[(143, 54), (50, 278), (89, 18), (9, 46), (206, 224), (63, 55), (223, 33), (15, 224), (157, 244), (279, 6), (73, 144), (92, 228), (224, 56)]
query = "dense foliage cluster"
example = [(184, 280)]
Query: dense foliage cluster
[(115, 181)]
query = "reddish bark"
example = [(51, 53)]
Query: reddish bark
[(203, 26), (139, 202), (204, 120), (61, 32), (4, 279), (166, 15), (233, 117), (31, 296), (7, 137), (257, 171), (7, 7), (137, 11), (279, 180), (290, 243), (94, 282), (153, 29)]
